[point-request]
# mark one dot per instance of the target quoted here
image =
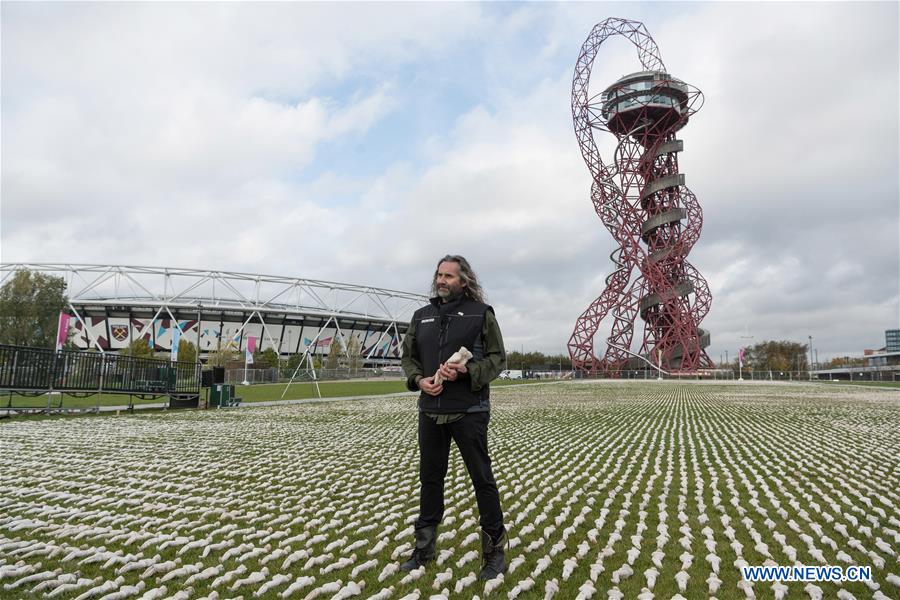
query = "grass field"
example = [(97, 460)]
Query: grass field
[(250, 393), (611, 490)]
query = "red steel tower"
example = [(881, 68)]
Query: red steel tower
[(641, 198)]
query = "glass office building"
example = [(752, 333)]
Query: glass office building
[(892, 340)]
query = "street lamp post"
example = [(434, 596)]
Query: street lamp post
[(741, 358), (659, 365), (809, 368)]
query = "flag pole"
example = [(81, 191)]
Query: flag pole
[(248, 356), (62, 335)]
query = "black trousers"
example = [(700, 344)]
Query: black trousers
[(470, 435)]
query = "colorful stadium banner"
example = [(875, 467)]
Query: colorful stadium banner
[(320, 343), (62, 330), (251, 347), (176, 341)]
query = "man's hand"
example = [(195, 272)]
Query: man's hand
[(427, 385), (451, 371)]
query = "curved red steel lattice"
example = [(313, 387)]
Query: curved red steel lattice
[(641, 198)]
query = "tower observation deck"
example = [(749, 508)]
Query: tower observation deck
[(648, 95)]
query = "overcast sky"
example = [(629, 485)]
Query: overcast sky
[(360, 142)]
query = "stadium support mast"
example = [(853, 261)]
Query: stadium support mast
[(642, 200)]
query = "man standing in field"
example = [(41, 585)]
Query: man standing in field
[(458, 408)]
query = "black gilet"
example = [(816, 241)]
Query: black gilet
[(441, 328)]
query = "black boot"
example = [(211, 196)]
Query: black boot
[(493, 559), (424, 550)]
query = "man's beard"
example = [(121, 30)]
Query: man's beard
[(446, 293)]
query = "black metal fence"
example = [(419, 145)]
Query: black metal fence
[(39, 369)]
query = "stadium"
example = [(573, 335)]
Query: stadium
[(113, 305)]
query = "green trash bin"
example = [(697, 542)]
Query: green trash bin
[(220, 394)]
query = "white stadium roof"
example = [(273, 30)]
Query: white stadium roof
[(268, 303)]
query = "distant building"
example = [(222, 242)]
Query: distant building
[(884, 359), (882, 364), (892, 340), (889, 356)]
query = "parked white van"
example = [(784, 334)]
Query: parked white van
[(511, 374)]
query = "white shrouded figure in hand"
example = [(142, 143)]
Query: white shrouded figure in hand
[(458, 359)]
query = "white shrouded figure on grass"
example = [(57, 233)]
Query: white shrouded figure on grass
[(464, 582), (747, 587), (300, 583), (34, 578), (714, 582), (387, 571), (651, 574), (681, 578), (492, 584), (353, 588), (329, 589), (622, 573), (551, 588), (779, 590), (384, 594), (277, 581), (157, 593), (205, 574)]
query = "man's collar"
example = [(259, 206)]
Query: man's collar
[(439, 302)]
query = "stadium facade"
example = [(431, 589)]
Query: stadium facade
[(112, 305)]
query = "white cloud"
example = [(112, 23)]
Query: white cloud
[(215, 136)]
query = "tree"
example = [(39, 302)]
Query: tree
[(225, 354), (266, 358), (293, 361), (354, 349), (560, 361), (781, 355), (30, 304), (139, 348), (845, 361), (187, 351), (334, 353), (529, 360)]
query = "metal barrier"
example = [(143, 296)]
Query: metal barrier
[(274, 375), (38, 370)]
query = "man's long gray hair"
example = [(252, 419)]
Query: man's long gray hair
[(472, 290)]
